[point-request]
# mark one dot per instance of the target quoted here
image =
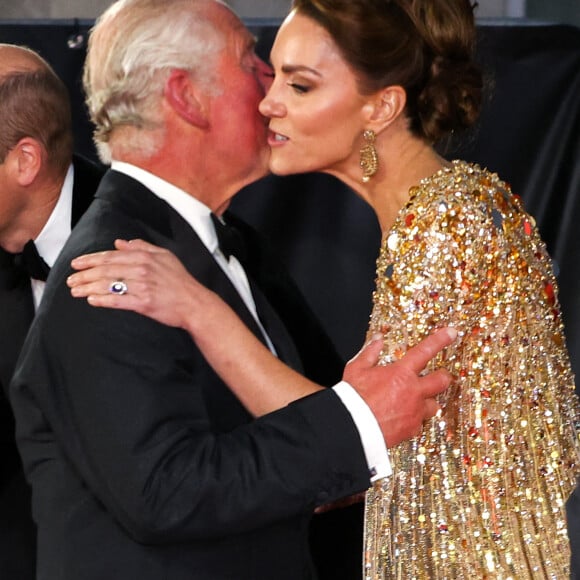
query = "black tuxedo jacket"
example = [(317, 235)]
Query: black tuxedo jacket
[(17, 530), (336, 536), (143, 464)]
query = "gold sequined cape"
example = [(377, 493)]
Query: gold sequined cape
[(481, 492)]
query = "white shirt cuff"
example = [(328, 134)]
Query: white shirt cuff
[(373, 442)]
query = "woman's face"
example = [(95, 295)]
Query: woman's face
[(317, 115)]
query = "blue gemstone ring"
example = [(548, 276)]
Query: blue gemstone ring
[(118, 287)]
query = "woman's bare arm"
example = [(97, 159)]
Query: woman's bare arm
[(160, 287)]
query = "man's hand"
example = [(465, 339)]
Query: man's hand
[(397, 395)]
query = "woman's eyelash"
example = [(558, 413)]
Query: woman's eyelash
[(299, 88)]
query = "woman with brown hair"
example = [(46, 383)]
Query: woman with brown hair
[(363, 90)]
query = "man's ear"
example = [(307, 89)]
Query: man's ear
[(24, 161), (181, 95), (385, 107)]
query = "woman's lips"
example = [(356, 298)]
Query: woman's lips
[(276, 139)]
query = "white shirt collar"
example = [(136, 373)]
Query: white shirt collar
[(193, 211), (58, 227)]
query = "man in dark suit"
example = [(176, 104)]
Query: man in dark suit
[(42, 195), (143, 464)]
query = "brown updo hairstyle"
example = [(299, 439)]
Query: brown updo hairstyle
[(425, 46)]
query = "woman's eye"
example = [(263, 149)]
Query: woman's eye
[(301, 89)]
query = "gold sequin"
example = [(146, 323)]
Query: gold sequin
[(481, 492)]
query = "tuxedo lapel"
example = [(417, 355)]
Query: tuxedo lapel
[(202, 265), (170, 230), (180, 238), (232, 241), (214, 277), (274, 327), (319, 359)]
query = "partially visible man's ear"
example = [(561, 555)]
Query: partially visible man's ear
[(24, 161), (180, 94), (386, 106)]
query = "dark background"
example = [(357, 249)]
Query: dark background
[(529, 133)]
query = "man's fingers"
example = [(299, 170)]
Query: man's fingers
[(368, 356), (435, 383), (418, 356), (432, 407)]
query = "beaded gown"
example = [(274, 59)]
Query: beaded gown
[(480, 493)]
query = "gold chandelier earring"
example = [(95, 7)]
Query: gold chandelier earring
[(369, 159)]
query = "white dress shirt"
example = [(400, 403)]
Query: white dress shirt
[(55, 232), (197, 215)]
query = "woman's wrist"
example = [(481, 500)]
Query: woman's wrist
[(199, 310)]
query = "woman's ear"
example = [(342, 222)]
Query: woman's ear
[(181, 95), (385, 107)]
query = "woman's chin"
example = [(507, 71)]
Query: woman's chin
[(281, 168)]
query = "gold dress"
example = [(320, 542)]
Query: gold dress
[(480, 493)]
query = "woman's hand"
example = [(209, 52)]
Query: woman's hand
[(158, 285)]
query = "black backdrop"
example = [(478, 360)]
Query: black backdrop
[(529, 133)]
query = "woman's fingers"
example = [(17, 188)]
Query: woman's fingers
[(124, 302), (104, 285), (137, 276), (138, 244), (101, 277), (132, 252)]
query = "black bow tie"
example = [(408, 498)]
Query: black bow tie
[(26, 264), (230, 240)]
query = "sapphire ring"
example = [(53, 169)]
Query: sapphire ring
[(118, 287)]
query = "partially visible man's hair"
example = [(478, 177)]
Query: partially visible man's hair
[(35, 103), (132, 49)]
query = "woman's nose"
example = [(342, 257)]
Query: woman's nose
[(270, 106)]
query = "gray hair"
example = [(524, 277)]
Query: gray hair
[(132, 49)]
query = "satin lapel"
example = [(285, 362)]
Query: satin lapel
[(274, 297), (201, 264)]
